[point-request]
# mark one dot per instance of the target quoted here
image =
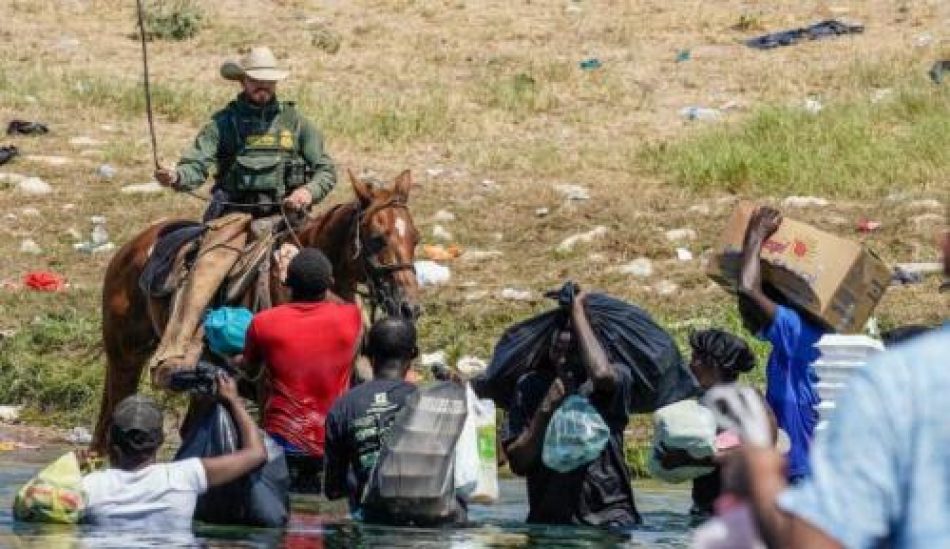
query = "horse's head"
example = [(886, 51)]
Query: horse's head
[(386, 240)]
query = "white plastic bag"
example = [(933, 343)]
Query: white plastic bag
[(688, 426), (576, 435), (476, 466)]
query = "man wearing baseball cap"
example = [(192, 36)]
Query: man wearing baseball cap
[(138, 492)]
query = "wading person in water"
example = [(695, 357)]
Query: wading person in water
[(307, 348), (595, 494), (266, 156), (138, 492)]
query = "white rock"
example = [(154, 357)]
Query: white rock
[(152, 187), (105, 171), (50, 160), (666, 287), (542, 212), (10, 414), (441, 233), (471, 366), (79, 435), (430, 273), (573, 192), (512, 294), (443, 216), (84, 141), (107, 127), (68, 207), (804, 202), (684, 254), (488, 185), (30, 212), (29, 246), (428, 360), (570, 242), (676, 235), (498, 237), (475, 256), (925, 204), (701, 209), (33, 185), (881, 94), (813, 106), (435, 172), (640, 267), (477, 295)]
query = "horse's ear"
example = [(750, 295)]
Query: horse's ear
[(404, 184), (362, 190)]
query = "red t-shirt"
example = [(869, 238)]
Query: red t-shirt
[(308, 351)]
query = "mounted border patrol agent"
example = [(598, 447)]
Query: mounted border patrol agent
[(266, 156)]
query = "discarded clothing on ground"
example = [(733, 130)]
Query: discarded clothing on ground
[(413, 482), (825, 29), (24, 127), (259, 499), (7, 153), (160, 263), (629, 335)]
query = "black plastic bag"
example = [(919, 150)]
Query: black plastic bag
[(259, 499), (413, 482), (629, 335)]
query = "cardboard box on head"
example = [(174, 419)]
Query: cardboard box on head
[(837, 281)]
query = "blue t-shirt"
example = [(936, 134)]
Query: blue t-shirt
[(790, 382), (881, 472)]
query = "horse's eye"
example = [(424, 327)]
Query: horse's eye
[(375, 244)]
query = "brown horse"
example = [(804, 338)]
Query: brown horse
[(371, 241)]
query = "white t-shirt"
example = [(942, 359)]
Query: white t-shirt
[(160, 496)]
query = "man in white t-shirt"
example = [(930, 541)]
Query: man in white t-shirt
[(136, 492)]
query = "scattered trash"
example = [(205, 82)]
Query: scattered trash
[(804, 202), (904, 278), (824, 29), (44, 281), (666, 287), (471, 366), (923, 269), (10, 414), (430, 273), (868, 226), (675, 235), (152, 187), (83, 141), (23, 127), (441, 253), (813, 105), (430, 360), (542, 212), (106, 171), (50, 160), (98, 238), (29, 246), (7, 153), (573, 192), (511, 294), (590, 64), (640, 267), (700, 113), (441, 233), (684, 254), (443, 216), (936, 72), (880, 95), (78, 435), (568, 243), (682, 55), (33, 185), (475, 256)]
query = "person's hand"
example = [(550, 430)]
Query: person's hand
[(166, 177), (553, 397), (300, 199), (227, 388), (765, 221)]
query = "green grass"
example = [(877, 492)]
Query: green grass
[(852, 149)]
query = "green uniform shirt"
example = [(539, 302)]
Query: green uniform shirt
[(217, 144)]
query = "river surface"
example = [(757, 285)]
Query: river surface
[(317, 524)]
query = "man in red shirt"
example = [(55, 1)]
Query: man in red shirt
[(307, 348)]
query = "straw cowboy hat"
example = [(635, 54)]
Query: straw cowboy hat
[(258, 64)]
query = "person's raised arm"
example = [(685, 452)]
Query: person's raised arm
[(524, 453), (223, 469), (195, 163), (756, 308), (591, 351)]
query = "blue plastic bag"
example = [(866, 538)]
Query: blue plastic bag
[(576, 435), (226, 329)]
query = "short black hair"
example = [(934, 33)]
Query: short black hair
[(392, 338), (309, 274), (728, 353)]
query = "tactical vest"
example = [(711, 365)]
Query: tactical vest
[(260, 159)]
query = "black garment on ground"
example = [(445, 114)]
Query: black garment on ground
[(597, 494), (356, 429), (25, 127), (7, 153), (823, 29), (705, 491)]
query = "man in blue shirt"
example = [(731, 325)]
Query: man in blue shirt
[(881, 475), (790, 377)]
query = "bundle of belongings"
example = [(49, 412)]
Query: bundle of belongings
[(55, 495), (687, 426), (628, 334)]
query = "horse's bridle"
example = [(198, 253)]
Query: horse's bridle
[(382, 288)]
